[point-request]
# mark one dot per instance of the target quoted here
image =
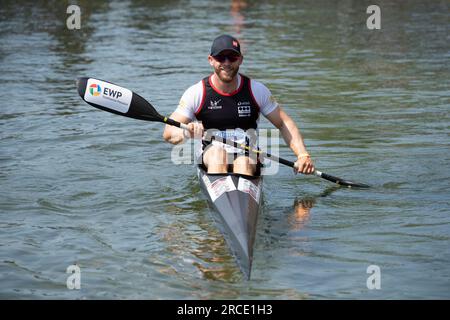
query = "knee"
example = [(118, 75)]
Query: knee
[(215, 155), (244, 165), (244, 162)]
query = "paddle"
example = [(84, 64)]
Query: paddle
[(112, 98)]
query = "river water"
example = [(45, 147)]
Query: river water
[(82, 186)]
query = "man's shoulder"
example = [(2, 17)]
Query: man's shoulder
[(263, 97), (259, 87)]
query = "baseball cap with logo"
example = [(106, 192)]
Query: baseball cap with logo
[(225, 42)]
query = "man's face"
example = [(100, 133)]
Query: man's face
[(226, 65)]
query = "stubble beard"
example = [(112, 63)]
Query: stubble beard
[(226, 76)]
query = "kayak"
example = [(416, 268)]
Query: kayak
[(236, 201)]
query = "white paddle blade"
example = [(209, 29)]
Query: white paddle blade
[(107, 95)]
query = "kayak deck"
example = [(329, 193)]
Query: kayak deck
[(236, 201)]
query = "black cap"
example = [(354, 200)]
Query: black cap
[(225, 42)]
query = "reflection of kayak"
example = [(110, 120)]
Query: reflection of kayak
[(236, 200)]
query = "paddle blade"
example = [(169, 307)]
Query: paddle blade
[(115, 99)]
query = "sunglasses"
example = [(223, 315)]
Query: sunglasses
[(222, 57)]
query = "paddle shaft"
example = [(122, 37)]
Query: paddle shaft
[(261, 153)]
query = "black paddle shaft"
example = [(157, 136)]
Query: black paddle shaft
[(291, 164)]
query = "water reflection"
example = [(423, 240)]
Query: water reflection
[(301, 209), (236, 11), (301, 213), (197, 247)]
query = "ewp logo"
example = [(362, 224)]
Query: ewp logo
[(112, 93), (94, 89)]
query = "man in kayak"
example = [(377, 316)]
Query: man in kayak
[(229, 104)]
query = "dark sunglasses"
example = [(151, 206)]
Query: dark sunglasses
[(222, 57)]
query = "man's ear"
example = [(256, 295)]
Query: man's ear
[(210, 60)]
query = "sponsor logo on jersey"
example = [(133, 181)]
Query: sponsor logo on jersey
[(214, 105), (244, 111)]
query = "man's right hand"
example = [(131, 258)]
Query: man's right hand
[(195, 130)]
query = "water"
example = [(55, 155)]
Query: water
[(84, 186)]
